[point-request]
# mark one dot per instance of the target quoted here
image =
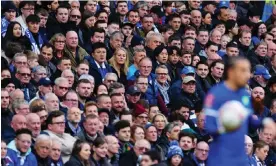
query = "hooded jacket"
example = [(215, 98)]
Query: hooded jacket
[(19, 159)]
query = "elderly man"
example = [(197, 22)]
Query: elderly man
[(55, 128), (19, 60), (67, 73), (51, 102), (20, 107), (20, 148), (116, 41), (188, 94), (42, 149), (15, 95), (153, 40), (44, 87), (71, 99), (73, 50), (38, 72), (72, 125), (260, 77), (113, 149), (201, 153), (61, 87), (109, 79), (34, 125), (130, 158), (22, 81), (55, 153), (215, 36)]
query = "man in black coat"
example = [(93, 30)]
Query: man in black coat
[(42, 150), (98, 67), (130, 158)]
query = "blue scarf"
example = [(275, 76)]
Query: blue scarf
[(4, 26), (35, 47)]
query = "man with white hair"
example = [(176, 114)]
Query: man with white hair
[(61, 87), (109, 79), (72, 125), (55, 153), (51, 102), (249, 150), (201, 153), (42, 149), (70, 77), (20, 107), (153, 39)]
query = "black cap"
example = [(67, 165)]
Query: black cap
[(157, 10), (127, 24), (44, 82), (205, 3), (8, 7), (136, 40), (133, 90), (232, 44)]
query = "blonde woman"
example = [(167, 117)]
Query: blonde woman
[(119, 63), (58, 42), (160, 122)]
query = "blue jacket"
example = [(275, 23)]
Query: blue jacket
[(224, 150), (94, 70), (28, 159), (152, 91)]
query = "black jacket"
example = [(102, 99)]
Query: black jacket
[(255, 59), (74, 161), (42, 161), (128, 158), (31, 89)]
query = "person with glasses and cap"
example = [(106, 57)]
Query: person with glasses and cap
[(44, 87), (260, 77), (133, 96)]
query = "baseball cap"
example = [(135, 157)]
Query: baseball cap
[(224, 4), (188, 79), (261, 70), (127, 24), (136, 40), (187, 69), (133, 90), (44, 82), (157, 10), (232, 44)]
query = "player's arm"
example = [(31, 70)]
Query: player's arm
[(212, 123)]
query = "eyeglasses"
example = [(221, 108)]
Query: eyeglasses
[(25, 74), (62, 87), (21, 63), (75, 16), (59, 123)]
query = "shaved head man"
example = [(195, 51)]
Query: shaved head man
[(201, 151), (34, 124), (18, 122)]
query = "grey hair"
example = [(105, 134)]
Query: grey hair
[(114, 86), (161, 67), (232, 11), (18, 55), (136, 50), (38, 68), (60, 80), (111, 74), (66, 70), (49, 95), (43, 137), (87, 76), (16, 103), (150, 35), (115, 34)]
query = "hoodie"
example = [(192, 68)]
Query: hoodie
[(19, 159)]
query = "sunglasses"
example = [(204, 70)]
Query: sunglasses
[(25, 74), (75, 16)]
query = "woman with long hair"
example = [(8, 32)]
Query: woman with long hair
[(58, 41), (257, 31), (207, 20), (160, 122), (87, 22), (260, 152), (99, 152), (14, 34), (80, 154), (120, 63)]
